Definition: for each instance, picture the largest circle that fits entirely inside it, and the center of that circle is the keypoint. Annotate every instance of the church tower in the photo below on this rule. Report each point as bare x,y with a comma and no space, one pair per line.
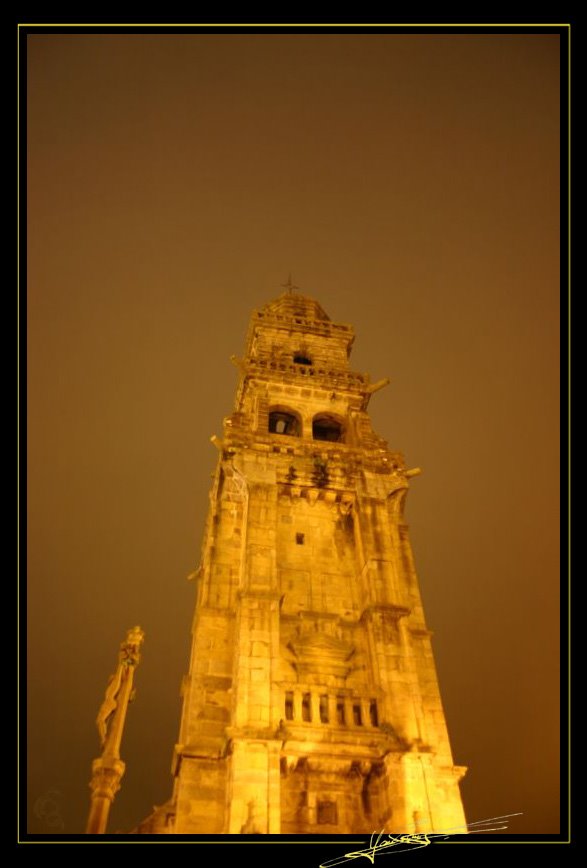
312,702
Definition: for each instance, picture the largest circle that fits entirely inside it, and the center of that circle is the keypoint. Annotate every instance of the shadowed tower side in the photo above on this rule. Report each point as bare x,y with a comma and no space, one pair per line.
312,702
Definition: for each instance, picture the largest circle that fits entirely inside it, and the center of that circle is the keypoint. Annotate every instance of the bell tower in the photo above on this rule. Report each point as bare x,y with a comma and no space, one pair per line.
312,703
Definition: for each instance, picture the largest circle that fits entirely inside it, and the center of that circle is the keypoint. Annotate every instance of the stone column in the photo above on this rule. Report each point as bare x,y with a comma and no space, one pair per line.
348,711
315,706
332,708
106,775
297,700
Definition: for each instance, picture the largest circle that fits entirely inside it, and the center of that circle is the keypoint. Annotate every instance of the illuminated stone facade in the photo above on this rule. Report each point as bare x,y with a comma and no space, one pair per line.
311,703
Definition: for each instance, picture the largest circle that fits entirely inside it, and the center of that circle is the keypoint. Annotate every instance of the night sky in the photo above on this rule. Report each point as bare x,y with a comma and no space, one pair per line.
411,185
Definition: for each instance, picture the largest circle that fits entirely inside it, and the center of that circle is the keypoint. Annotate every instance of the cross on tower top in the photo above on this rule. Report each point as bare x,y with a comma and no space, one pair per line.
289,285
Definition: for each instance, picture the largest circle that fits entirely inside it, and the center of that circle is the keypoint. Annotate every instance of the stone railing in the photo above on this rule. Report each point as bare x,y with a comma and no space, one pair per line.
327,377
320,707
323,324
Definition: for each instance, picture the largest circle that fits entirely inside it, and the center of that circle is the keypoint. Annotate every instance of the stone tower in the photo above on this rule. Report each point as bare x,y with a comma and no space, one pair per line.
312,703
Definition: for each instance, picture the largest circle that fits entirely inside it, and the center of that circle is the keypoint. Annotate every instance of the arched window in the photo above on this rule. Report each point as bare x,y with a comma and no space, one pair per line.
300,359
283,422
326,427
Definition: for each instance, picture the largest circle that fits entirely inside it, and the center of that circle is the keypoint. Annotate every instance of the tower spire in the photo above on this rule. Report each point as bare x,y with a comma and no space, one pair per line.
289,285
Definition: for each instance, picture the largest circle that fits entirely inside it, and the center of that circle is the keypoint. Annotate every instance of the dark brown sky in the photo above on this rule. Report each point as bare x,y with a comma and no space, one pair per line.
410,184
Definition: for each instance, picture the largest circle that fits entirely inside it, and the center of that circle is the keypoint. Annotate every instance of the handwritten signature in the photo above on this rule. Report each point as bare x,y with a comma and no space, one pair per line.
382,844
378,843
